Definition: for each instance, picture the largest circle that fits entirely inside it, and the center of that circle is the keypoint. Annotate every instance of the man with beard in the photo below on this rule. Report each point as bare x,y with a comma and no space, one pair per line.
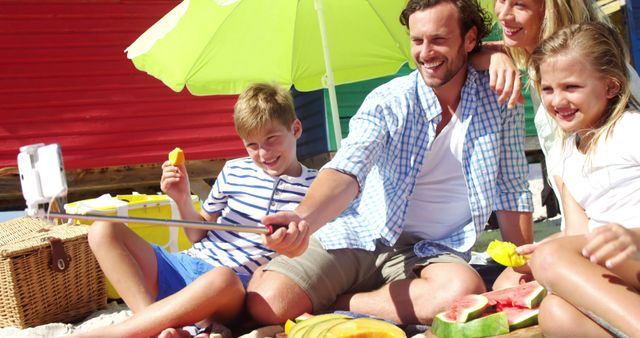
396,212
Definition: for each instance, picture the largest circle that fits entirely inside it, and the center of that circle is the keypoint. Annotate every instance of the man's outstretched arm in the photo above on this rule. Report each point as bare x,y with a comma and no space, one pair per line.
329,194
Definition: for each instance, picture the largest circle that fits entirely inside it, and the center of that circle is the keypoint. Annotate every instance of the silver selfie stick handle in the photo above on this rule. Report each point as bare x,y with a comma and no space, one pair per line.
167,222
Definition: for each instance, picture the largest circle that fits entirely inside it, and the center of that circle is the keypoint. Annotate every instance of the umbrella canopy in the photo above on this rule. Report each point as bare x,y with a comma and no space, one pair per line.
222,46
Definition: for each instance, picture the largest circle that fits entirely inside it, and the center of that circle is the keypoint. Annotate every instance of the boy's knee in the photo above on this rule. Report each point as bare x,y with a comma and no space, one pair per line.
99,232
103,235
273,298
227,277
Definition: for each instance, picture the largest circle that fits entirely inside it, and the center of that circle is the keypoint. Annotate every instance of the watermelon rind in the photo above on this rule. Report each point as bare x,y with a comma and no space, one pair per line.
491,325
536,297
521,317
467,308
528,295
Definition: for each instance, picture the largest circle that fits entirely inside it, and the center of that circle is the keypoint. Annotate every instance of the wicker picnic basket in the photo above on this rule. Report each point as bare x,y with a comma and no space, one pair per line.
47,276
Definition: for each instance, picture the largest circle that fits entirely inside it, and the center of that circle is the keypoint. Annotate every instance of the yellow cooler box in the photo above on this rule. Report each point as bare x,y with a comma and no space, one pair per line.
138,205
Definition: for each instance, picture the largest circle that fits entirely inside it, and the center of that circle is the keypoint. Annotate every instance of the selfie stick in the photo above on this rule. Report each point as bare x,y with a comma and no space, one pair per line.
43,181
167,222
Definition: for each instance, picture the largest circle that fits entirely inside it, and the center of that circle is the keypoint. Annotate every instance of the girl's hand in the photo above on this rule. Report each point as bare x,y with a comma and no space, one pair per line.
526,249
504,79
611,244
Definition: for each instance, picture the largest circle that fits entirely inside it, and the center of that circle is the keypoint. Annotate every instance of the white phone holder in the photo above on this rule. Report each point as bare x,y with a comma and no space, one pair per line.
42,176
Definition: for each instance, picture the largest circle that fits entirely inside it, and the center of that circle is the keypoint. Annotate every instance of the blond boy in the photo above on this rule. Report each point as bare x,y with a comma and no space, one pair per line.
166,289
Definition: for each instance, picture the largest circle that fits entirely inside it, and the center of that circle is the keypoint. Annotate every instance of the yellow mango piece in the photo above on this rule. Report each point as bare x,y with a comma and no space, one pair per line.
364,327
176,157
505,253
288,325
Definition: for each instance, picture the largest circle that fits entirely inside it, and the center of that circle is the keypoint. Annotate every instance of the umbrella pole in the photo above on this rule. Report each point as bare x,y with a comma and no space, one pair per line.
328,79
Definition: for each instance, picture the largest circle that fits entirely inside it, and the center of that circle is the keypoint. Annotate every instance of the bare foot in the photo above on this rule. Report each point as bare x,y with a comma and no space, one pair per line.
174,333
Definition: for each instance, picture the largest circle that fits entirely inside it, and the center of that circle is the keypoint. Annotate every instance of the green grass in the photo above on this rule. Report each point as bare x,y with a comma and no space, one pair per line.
541,230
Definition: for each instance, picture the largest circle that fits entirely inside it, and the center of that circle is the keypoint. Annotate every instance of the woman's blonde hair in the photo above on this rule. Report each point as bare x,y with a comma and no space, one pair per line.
559,14
261,104
600,45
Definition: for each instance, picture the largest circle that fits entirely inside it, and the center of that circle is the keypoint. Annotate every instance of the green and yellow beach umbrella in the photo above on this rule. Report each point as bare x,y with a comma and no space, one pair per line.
222,46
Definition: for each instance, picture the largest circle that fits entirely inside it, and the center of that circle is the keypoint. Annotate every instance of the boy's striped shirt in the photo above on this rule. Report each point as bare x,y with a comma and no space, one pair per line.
242,194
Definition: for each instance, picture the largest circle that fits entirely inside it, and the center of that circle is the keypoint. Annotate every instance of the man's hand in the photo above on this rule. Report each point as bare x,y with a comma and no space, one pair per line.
612,244
291,241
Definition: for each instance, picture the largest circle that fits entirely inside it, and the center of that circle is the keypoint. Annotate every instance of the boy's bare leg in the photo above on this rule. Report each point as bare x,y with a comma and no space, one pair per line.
272,298
218,294
413,301
127,260
611,295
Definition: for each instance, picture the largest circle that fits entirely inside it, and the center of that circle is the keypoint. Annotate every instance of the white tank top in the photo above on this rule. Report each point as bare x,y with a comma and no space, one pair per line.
607,184
439,204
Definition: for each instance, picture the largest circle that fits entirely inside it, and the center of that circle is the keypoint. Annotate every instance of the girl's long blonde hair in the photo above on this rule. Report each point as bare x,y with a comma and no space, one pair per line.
600,45
559,14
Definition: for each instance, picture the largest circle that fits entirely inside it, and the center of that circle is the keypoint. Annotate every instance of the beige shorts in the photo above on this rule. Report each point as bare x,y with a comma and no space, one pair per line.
324,275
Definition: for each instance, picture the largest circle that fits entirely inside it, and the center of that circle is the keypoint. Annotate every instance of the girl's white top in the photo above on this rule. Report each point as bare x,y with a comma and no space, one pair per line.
606,183
550,135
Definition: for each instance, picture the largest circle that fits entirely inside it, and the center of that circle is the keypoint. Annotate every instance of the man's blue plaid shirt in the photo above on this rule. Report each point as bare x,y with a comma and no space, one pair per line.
385,148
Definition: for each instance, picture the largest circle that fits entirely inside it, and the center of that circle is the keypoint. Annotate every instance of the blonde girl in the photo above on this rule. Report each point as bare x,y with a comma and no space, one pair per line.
524,24
593,270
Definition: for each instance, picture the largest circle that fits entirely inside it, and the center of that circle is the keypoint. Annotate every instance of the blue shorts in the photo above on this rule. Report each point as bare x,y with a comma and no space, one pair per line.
177,270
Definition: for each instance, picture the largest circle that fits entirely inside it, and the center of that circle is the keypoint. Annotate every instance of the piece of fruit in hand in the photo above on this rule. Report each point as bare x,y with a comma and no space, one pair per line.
505,253
176,157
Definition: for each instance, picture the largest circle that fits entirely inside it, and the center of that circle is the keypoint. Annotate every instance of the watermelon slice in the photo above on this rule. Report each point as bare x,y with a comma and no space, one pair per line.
491,325
528,295
466,308
520,317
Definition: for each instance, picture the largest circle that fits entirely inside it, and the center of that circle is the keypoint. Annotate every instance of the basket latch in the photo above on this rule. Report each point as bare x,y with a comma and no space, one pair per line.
59,258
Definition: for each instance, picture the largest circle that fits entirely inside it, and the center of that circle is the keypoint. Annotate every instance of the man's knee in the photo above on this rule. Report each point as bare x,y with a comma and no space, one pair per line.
446,284
466,284
459,279
272,298
510,278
